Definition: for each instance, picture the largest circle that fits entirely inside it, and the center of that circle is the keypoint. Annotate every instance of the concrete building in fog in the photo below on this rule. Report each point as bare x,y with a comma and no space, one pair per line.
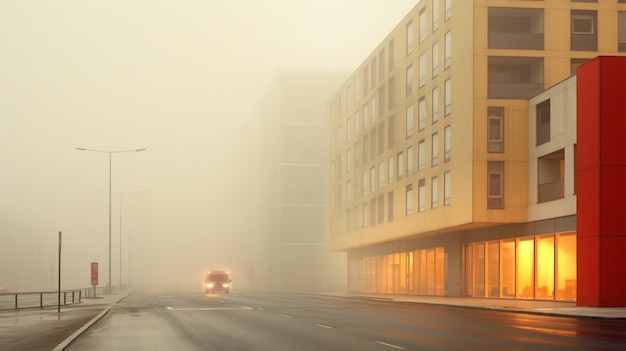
294,185
452,148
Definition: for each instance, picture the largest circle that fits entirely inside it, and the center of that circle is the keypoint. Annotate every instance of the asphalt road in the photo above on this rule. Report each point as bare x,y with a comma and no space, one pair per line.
159,320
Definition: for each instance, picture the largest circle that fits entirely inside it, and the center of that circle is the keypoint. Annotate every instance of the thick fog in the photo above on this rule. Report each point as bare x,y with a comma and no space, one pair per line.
183,79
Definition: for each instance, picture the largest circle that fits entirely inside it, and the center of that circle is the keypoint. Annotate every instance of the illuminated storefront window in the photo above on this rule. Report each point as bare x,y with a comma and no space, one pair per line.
545,260
507,267
542,267
525,268
566,267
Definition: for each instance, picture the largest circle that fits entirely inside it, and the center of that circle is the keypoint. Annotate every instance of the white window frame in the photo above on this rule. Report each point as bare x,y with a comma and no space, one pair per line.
422,70
422,25
448,97
447,50
409,199
435,149
421,196
447,143
421,155
447,188
410,121
435,58
435,105
421,114
409,38
409,160
434,192
435,15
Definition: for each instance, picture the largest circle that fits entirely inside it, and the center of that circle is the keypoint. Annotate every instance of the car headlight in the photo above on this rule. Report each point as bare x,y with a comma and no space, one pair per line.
209,285
225,285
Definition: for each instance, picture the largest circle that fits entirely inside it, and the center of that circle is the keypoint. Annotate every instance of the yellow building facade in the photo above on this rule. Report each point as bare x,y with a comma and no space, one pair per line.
428,147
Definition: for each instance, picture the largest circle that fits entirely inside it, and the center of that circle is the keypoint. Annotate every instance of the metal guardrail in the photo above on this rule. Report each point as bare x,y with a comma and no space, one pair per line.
42,299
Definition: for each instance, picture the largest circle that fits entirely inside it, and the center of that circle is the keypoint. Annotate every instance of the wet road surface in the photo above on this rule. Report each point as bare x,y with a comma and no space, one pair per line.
159,320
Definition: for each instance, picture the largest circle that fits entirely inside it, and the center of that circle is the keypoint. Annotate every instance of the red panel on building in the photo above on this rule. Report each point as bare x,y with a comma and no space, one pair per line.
601,178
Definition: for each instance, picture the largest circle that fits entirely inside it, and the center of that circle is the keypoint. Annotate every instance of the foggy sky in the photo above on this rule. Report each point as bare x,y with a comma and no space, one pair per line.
183,79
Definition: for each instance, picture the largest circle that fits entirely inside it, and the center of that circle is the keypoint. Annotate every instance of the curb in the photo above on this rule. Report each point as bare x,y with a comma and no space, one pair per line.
65,343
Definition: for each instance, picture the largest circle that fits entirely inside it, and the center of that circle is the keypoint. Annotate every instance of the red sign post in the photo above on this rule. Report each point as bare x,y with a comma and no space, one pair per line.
94,276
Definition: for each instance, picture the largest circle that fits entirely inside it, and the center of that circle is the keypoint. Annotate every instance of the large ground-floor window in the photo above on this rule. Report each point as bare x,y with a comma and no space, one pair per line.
418,272
538,267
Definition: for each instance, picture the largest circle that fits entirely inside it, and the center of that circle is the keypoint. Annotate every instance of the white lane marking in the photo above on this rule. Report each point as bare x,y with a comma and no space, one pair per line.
207,308
325,326
260,308
390,345
286,316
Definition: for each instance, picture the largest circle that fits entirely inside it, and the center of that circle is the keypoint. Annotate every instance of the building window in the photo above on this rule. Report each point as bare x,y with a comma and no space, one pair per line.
422,70
381,208
421,155
390,170
390,206
421,124
381,138
495,129
447,188
372,212
543,122
435,15
435,103
390,130
381,65
495,184
391,63
514,77
435,57
366,148
409,80
447,50
391,93
366,117
400,165
409,121
447,98
381,174
511,28
422,24
364,182
366,80
584,36
551,177
373,107
373,144
409,160
365,215
434,192
435,149
621,31
373,178
409,37
409,199
447,143
421,195
448,9
349,163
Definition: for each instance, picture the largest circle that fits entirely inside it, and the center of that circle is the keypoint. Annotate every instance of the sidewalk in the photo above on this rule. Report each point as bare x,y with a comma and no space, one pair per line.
554,308
54,330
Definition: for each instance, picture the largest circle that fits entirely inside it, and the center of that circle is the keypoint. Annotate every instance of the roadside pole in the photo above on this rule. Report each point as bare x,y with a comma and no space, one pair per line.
59,296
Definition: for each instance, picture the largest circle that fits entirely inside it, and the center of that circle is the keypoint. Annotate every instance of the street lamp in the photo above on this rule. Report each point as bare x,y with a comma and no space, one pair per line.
110,153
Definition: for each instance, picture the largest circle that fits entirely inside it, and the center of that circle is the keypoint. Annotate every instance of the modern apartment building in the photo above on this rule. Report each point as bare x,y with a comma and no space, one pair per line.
443,177
294,204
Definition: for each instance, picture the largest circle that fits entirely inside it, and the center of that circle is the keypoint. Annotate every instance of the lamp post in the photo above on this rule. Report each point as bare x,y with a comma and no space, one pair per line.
128,249
110,154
